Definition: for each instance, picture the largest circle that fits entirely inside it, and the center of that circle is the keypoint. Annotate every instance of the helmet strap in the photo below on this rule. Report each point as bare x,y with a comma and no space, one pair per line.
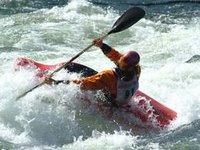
124,75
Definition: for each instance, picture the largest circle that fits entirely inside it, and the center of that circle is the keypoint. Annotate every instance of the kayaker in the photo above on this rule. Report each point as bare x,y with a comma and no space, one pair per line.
121,82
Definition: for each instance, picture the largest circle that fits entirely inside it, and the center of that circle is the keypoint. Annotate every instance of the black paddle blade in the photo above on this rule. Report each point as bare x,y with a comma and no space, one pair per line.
130,17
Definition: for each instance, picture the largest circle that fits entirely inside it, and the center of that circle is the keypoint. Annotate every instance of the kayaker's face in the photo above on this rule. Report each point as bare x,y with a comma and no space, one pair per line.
122,64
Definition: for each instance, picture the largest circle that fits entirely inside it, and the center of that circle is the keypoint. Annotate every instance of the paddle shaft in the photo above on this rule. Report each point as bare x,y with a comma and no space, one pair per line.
61,67
76,56
22,95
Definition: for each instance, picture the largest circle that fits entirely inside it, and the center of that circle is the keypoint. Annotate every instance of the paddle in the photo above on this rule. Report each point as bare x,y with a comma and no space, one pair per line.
128,18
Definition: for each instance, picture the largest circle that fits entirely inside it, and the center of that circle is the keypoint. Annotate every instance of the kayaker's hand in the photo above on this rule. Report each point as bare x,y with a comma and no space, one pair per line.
98,42
49,81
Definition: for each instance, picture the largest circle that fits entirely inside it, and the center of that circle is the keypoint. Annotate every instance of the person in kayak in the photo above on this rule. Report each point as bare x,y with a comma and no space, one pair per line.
121,82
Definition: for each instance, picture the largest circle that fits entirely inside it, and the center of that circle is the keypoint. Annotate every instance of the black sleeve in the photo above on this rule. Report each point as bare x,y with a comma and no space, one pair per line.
106,48
62,81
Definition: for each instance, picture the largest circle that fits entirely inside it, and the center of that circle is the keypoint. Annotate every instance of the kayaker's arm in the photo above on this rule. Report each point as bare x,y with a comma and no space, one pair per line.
105,80
111,53
105,48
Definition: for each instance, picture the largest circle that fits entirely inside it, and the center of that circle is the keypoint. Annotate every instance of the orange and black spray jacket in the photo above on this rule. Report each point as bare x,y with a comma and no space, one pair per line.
105,80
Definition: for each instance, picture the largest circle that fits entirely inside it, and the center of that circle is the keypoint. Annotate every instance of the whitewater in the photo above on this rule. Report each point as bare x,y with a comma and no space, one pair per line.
51,117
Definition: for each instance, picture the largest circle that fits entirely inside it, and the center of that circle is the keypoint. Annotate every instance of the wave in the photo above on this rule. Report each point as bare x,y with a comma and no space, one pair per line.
183,136
21,6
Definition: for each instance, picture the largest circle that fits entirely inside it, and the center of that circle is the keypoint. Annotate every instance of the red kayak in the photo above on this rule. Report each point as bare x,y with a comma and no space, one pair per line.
142,107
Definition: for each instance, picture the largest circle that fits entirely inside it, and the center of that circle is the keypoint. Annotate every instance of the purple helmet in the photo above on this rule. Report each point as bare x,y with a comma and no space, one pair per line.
131,58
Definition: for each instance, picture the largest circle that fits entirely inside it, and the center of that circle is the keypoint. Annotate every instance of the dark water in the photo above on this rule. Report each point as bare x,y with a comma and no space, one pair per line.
182,8
159,10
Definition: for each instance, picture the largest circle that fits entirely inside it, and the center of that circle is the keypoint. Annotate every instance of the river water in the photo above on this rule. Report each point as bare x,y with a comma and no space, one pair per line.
51,118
